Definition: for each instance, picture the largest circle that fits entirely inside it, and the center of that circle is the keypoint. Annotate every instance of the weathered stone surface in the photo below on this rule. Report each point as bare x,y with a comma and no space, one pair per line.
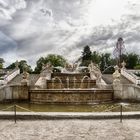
71,96
70,130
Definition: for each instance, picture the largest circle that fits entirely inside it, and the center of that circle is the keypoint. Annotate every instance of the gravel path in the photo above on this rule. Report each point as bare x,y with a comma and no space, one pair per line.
70,130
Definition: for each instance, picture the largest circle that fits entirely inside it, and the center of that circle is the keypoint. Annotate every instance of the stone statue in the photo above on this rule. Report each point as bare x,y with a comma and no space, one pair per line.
117,87
70,68
123,65
25,76
47,67
47,70
95,73
116,75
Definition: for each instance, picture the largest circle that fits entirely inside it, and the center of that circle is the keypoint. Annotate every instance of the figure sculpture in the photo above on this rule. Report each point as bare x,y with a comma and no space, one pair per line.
123,64
95,72
47,70
25,76
116,75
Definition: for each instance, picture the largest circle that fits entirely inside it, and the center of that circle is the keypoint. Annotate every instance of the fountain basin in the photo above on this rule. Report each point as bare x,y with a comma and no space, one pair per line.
70,96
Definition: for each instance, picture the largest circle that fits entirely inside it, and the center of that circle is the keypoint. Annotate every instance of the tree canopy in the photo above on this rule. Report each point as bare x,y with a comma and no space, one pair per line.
22,65
55,60
1,63
86,56
131,59
104,60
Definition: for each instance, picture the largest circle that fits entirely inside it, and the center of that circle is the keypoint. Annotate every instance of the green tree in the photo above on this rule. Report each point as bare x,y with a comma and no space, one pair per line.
96,57
132,60
55,60
107,63
21,64
39,64
1,63
86,56
102,63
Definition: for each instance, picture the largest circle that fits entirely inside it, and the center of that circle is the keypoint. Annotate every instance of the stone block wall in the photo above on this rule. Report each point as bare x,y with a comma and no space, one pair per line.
16,92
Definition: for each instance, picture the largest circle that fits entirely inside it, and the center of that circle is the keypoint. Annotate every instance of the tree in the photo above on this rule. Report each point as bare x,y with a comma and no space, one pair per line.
132,60
1,63
86,56
96,57
21,64
39,64
107,63
102,63
55,60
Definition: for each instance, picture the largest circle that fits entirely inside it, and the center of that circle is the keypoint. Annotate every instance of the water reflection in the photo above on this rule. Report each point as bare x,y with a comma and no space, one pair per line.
111,107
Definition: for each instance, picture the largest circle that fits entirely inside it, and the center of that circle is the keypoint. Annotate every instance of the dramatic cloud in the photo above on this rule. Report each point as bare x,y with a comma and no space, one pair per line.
30,29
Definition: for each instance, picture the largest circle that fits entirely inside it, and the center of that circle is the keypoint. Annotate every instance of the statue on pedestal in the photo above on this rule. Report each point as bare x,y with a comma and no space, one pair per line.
47,70
117,87
25,76
116,75
123,65
95,73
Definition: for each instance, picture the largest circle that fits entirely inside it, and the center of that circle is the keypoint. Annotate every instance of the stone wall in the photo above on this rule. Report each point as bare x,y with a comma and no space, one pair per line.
70,96
17,92
128,92
70,84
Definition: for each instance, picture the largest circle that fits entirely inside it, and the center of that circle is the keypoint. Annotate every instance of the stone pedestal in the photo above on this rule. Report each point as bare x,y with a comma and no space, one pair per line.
24,82
117,87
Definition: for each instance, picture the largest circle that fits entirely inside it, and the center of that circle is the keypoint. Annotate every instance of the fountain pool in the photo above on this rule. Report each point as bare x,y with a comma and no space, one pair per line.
104,107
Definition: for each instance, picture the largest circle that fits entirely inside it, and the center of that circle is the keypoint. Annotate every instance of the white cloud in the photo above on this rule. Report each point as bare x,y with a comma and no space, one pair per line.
40,27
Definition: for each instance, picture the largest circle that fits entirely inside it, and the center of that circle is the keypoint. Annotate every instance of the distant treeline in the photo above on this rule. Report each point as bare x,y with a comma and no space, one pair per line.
104,60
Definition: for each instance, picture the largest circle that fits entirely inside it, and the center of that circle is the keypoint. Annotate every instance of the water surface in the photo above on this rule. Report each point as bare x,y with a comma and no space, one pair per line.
110,107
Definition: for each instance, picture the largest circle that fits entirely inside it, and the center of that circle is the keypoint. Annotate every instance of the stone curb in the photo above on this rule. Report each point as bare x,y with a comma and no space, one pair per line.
68,115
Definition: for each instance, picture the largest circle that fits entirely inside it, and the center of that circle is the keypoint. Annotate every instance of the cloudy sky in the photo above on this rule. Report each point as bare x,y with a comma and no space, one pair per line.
30,29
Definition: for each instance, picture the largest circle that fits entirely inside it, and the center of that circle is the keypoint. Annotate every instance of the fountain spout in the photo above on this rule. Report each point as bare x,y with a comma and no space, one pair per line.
74,82
82,81
68,82
60,82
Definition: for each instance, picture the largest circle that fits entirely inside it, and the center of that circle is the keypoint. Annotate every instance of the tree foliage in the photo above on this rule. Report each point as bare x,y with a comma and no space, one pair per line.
22,65
1,63
86,56
96,57
131,59
55,60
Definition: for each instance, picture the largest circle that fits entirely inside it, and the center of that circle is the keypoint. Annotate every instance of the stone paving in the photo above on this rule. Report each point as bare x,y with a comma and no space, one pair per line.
70,130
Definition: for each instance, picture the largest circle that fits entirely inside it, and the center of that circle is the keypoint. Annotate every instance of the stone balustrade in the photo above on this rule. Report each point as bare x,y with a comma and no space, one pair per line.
7,78
129,74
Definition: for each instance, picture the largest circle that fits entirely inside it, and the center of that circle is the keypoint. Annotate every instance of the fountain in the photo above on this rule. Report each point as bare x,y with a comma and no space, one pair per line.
54,84
85,77
74,82
71,85
68,82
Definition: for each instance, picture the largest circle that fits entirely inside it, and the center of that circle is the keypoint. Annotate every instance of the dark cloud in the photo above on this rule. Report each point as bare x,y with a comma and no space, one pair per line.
6,44
40,27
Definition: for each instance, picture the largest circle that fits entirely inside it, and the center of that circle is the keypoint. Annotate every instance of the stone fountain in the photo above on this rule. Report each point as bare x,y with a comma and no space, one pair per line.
70,85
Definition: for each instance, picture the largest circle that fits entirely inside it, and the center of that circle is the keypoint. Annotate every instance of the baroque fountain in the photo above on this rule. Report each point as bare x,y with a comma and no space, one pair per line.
72,84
